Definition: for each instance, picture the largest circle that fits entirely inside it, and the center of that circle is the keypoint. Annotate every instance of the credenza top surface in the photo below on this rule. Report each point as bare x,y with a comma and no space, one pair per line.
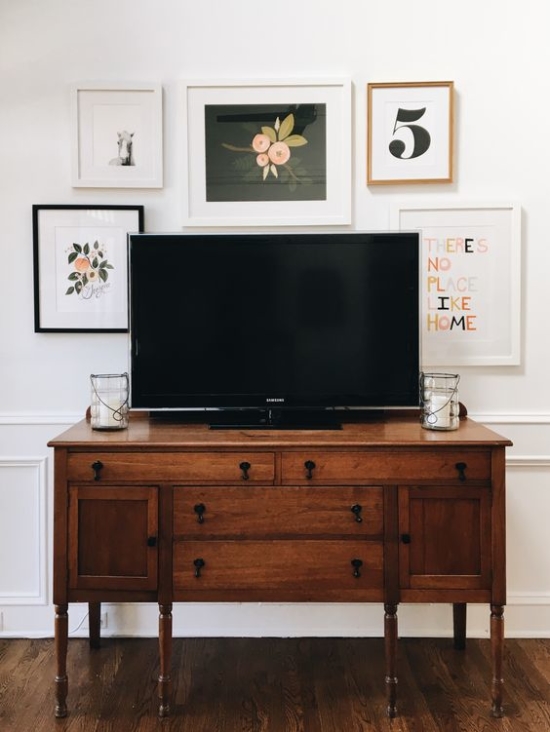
401,430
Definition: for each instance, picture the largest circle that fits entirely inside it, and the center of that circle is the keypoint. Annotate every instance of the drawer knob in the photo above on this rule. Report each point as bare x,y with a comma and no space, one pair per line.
96,467
356,564
199,564
461,467
245,467
199,509
152,541
356,511
309,465
405,538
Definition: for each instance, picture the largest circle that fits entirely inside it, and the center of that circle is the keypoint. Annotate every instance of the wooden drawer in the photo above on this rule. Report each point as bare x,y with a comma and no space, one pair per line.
383,465
180,467
312,570
250,511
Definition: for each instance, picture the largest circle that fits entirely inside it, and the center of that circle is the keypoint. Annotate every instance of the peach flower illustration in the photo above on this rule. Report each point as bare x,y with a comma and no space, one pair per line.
272,147
90,266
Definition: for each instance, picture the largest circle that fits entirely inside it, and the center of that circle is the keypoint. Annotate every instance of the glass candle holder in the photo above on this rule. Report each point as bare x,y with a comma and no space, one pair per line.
439,401
109,408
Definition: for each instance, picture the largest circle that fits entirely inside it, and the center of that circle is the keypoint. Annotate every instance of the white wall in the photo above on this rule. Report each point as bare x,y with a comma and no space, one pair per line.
497,54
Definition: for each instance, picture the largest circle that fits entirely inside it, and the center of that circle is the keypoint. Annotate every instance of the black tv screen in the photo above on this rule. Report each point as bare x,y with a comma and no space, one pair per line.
274,322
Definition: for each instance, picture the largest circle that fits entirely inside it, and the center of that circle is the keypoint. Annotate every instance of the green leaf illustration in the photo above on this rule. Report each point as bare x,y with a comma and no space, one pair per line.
72,256
78,288
96,245
86,248
296,140
70,291
77,248
270,132
103,274
74,276
287,125
95,262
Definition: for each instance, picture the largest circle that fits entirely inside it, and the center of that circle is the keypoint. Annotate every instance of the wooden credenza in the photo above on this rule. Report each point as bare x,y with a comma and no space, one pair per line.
382,512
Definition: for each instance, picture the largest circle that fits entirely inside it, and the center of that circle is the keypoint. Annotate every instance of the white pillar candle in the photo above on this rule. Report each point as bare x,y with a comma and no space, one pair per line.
440,408
108,414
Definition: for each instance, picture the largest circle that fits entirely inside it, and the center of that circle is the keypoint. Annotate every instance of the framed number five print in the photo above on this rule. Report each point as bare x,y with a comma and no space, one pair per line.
410,132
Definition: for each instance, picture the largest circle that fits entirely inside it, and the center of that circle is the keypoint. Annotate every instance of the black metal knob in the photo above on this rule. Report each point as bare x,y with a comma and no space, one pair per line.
356,511
199,509
96,467
199,564
309,465
405,538
461,467
356,564
152,541
245,467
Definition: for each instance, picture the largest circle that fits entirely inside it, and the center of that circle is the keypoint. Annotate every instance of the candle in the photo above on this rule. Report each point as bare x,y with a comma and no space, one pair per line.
440,411
109,416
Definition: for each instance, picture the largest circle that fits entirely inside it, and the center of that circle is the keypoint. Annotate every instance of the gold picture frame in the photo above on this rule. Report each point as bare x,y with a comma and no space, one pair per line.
410,130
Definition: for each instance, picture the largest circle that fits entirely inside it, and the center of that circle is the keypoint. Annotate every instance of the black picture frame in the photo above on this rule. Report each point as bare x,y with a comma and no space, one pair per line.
80,266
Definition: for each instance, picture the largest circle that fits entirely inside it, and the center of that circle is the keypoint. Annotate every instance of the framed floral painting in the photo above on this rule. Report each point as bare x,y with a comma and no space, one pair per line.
267,153
81,267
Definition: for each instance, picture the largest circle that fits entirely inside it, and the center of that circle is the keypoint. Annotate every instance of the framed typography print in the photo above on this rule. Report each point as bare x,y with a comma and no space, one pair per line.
81,266
267,153
410,132
117,136
470,282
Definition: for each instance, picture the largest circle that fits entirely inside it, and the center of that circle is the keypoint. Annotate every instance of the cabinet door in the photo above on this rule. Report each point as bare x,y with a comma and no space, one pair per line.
445,538
113,537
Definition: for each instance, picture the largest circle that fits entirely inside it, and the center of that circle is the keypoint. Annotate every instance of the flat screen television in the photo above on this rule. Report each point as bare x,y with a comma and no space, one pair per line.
274,330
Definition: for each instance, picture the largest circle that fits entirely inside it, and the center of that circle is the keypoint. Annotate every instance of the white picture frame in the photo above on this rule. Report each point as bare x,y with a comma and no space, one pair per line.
410,129
81,266
470,281
117,135
225,182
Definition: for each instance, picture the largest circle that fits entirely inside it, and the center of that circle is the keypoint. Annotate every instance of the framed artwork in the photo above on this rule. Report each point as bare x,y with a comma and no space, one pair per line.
410,132
81,267
117,136
269,153
470,282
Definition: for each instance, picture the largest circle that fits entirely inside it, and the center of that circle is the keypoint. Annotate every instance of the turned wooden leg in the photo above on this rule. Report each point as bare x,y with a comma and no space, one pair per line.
459,625
165,650
390,642
94,623
61,642
497,649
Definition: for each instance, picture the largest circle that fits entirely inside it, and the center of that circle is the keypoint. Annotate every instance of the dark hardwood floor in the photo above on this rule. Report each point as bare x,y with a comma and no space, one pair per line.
274,685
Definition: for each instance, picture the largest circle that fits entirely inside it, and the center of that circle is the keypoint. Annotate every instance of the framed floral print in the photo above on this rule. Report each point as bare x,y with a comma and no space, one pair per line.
81,267
275,153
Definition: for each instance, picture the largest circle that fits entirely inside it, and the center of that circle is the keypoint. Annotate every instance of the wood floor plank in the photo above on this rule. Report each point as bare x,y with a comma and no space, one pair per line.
275,685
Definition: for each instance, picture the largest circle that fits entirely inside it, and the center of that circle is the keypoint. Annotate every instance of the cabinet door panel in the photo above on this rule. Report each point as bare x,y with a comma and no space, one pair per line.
445,538
113,535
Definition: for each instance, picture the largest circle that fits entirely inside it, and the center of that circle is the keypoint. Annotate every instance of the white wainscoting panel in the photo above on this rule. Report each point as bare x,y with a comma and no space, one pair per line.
23,535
